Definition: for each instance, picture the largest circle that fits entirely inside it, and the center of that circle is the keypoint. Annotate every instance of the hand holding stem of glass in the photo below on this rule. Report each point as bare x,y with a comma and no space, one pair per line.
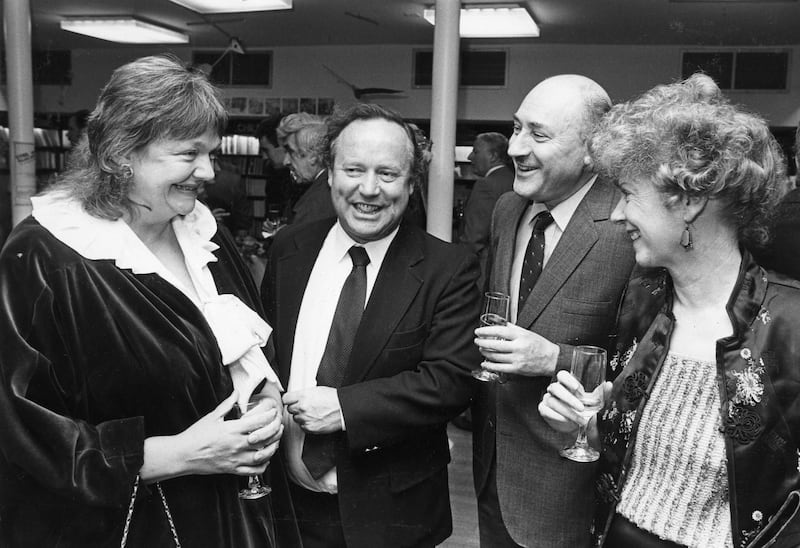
589,368
495,312
255,488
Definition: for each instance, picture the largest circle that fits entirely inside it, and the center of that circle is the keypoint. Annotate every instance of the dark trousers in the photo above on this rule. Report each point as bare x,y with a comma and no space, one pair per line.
320,522
493,532
317,518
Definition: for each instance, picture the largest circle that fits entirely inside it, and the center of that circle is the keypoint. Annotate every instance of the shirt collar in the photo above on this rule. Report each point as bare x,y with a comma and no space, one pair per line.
493,169
376,250
563,212
99,239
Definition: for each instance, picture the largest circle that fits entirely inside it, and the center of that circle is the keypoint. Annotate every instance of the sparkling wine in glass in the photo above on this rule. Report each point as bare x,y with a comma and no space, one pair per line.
589,367
255,487
495,312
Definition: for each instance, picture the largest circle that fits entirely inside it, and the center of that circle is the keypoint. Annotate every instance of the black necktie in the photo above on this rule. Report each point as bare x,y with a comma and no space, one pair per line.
319,449
534,257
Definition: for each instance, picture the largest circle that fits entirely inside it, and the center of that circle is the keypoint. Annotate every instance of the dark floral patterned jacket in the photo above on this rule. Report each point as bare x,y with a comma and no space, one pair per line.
758,372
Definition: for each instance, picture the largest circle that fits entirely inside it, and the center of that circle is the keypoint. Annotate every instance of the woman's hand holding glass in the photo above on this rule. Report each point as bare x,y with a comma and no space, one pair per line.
213,445
569,407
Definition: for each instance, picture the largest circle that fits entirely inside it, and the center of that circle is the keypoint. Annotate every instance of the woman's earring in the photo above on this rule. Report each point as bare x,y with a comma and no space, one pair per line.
126,172
686,238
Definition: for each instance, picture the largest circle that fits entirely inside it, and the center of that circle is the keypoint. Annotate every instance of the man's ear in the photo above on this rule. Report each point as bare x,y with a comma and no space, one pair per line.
330,177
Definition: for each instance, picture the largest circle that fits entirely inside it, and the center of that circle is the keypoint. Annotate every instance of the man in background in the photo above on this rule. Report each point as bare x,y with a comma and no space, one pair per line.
372,323
555,250
490,162
302,136
783,252
280,191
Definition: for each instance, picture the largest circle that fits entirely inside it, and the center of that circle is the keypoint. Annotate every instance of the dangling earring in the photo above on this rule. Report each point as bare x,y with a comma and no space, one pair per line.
686,238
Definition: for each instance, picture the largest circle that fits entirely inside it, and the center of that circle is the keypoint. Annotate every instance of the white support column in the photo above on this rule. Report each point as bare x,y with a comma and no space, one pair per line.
444,105
19,75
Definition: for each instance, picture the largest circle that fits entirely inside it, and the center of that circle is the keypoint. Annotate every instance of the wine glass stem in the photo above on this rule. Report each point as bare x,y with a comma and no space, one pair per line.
581,441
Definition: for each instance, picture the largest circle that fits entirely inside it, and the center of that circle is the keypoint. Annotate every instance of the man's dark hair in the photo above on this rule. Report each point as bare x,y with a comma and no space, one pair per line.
267,128
341,118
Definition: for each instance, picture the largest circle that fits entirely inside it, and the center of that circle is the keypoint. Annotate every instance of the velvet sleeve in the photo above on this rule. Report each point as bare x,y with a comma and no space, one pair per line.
45,434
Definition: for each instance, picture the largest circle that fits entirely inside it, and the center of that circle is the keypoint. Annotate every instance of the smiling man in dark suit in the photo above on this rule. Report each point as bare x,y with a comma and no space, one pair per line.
373,324
564,263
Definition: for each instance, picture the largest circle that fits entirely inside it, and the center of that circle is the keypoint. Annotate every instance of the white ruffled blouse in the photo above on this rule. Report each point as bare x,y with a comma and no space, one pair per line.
239,331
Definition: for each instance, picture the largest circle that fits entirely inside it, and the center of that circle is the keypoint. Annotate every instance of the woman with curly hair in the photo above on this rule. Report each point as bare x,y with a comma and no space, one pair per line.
700,433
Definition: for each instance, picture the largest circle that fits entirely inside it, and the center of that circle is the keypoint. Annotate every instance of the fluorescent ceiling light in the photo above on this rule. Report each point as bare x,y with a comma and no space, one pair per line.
125,30
234,6
492,22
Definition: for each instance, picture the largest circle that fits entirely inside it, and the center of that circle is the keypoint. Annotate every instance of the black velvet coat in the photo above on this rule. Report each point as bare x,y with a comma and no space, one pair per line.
95,359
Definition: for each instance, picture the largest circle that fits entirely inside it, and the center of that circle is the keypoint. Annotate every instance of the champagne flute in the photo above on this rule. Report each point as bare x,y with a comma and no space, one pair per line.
589,368
495,312
255,488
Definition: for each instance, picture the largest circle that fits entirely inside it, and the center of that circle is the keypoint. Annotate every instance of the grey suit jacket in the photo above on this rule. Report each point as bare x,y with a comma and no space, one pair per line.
546,500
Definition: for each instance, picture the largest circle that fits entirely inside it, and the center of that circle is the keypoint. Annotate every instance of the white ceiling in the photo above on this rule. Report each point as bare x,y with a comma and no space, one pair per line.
341,22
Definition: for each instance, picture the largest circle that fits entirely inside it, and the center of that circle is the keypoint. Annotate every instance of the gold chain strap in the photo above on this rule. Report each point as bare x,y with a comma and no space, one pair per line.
128,518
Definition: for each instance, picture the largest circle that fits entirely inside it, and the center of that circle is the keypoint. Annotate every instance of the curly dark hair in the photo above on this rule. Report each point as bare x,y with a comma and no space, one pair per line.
343,117
144,101
689,140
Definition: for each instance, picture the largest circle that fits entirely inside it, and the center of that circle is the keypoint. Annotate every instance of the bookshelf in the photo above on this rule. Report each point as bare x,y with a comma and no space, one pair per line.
49,135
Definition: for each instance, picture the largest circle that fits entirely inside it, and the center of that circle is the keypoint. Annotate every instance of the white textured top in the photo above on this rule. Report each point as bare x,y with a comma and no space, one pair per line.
239,331
677,486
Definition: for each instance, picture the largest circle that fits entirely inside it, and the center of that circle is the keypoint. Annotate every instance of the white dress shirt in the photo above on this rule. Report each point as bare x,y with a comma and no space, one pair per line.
562,214
320,298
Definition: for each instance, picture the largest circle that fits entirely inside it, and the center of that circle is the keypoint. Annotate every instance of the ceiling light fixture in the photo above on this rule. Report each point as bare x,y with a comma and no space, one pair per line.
496,21
124,30
234,6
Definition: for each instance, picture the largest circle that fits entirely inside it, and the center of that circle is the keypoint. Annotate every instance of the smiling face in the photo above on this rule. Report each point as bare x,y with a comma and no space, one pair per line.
370,178
549,152
168,174
653,224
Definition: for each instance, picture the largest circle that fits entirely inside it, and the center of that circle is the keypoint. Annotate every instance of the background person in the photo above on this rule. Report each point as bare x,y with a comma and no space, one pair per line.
527,494
782,253
130,329
490,162
280,191
386,375
703,416
302,136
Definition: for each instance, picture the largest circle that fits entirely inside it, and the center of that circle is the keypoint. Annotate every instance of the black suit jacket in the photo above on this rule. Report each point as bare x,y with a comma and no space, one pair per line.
407,377
478,212
783,252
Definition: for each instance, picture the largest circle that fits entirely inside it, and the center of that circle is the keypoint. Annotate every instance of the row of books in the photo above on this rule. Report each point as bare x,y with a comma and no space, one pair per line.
42,137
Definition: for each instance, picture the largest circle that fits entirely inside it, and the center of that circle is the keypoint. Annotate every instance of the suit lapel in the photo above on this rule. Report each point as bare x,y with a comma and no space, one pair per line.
293,271
576,241
396,286
507,221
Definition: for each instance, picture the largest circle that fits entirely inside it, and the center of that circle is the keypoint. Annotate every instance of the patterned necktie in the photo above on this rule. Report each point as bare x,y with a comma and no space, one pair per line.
319,449
534,257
